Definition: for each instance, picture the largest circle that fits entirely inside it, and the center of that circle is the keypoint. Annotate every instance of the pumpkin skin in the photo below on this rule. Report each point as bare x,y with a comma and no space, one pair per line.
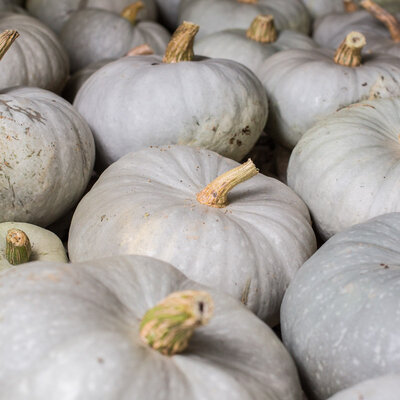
346,168
37,58
214,16
84,330
47,153
92,35
304,86
213,103
339,316
255,244
385,387
46,246
55,13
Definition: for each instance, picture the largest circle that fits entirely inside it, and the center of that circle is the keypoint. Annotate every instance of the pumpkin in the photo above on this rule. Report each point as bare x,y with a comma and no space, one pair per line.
31,241
37,58
149,202
91,35
217,104
252,46
318,8
340,315
346,168
219,15
114,327
305,85
55,13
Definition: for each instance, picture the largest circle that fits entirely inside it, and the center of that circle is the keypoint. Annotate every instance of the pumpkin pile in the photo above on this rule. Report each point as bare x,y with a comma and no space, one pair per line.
200,199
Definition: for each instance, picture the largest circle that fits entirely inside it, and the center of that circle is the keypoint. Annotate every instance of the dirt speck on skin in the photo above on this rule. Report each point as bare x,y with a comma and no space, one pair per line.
246,131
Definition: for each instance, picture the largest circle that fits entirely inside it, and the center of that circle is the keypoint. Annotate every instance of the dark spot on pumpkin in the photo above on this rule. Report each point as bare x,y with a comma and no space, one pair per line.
100,360
231,140
364,84
246,130
382,77
239,142
201,307
155,63
385,266
214,129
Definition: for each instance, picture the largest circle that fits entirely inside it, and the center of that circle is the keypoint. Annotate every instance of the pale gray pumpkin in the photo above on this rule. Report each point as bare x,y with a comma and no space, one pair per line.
91,35
73,332
36,59
218,15
304,86
141,101
386,387
46,246
46,153
340,316
247,47
347,167
145,203
55,13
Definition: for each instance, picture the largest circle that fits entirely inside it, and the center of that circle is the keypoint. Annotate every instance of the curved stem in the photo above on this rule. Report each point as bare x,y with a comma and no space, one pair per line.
180,47
389,20
350,6
168,326
349,52
142,50
6,40
130,12
18,247
215,194
262,29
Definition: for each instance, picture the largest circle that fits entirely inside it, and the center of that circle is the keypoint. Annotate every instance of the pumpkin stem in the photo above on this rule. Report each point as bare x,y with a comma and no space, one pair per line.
248,1
130,12
168,326
215,194
389,20
142,50
262,29
350,6
180,47
18,247
6,40
349,52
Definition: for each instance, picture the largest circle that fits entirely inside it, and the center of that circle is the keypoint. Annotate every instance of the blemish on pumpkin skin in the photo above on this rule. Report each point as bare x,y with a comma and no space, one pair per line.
245,295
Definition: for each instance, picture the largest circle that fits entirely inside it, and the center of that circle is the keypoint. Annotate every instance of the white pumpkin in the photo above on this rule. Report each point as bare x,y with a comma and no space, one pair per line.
74,331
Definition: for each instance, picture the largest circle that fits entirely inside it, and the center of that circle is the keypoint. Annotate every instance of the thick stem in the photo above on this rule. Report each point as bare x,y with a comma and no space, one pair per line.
142,50
262,29
130,12
389,20
180,47
349,52
168,326
215,194
350,6
6,40
18,247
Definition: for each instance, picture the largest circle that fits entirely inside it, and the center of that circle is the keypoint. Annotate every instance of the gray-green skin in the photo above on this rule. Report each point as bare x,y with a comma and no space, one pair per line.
168,11
72,332
304,86
139,101
46,153
55,13
330,30
347,167
234,45
219,15
92,35
14,6
340,316
46,246
386,387
145,203
36,58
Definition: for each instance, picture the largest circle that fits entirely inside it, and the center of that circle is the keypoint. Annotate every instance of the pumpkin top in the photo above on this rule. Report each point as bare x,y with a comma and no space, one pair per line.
389,20
18,247
349,52
130,12
168,326
262,29
6,40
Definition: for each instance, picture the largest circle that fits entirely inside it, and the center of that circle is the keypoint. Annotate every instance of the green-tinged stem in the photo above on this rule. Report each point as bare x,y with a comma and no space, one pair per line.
142,50
349,52
180,47
389,20
6,40
215,194
130,12
18,247
168,326
350,6
262,29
